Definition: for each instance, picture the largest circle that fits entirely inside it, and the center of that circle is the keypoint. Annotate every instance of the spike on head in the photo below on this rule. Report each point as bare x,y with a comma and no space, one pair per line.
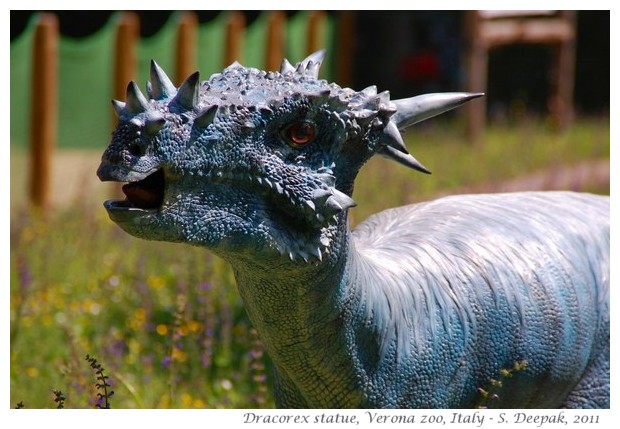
402,158
311,64
119,106
370,90
136,102
234,65
412,110
395,149
187,96
316,57
286,67
161,85
206,117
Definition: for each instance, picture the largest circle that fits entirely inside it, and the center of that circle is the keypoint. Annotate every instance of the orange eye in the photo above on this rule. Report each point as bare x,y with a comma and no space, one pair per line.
300,133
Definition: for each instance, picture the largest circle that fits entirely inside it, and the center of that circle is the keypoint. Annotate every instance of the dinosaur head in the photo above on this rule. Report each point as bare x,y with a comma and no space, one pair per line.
250,162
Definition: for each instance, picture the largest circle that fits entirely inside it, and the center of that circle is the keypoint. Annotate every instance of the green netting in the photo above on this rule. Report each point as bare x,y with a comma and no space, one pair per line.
84,88
159,47
20,64
86,71
297,36
211,46
85,85
254,43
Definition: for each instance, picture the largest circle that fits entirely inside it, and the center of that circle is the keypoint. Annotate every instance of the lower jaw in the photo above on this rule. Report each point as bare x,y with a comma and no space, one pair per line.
123,211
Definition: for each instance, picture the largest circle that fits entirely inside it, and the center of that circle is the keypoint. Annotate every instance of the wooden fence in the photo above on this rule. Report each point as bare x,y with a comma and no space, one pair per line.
44,101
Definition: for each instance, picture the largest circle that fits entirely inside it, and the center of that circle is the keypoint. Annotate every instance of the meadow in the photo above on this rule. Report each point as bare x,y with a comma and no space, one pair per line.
164,321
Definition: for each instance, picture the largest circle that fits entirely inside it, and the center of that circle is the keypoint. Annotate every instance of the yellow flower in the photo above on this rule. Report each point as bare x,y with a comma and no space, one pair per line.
194,326
140,314
164,402
199,403
186,400
161,329
183,330
179,355
137,322
155,282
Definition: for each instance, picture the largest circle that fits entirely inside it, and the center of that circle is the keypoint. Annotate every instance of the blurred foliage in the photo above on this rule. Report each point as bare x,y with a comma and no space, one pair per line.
509,150
164,320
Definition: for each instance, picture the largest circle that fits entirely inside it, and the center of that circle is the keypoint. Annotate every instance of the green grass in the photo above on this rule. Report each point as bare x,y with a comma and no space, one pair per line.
165,320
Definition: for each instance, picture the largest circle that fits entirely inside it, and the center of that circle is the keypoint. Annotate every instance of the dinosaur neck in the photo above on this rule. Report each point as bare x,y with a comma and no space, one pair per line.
299,315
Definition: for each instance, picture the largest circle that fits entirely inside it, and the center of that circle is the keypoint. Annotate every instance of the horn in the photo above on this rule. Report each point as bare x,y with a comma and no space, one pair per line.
416,109
136,103
316,57
393,138
206,117
311,64
187,96
235,64
402,158
286,67
396,150
118,107
161,86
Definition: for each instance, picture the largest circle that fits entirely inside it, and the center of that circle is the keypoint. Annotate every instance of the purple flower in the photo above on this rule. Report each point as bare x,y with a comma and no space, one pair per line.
165,362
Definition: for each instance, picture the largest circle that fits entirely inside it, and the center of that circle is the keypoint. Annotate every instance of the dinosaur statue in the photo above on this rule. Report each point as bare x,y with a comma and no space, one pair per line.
419,306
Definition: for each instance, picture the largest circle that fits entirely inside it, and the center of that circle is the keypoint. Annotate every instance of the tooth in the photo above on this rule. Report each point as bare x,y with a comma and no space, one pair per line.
280,248
303,254
315,251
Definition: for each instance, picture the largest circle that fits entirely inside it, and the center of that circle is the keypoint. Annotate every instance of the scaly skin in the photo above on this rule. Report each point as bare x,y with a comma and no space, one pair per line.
419,306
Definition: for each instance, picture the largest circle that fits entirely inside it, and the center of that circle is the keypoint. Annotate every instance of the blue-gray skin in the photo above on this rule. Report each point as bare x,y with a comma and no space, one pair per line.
420,306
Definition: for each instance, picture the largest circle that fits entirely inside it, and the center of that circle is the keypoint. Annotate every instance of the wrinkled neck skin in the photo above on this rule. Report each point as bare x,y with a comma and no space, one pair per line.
299,310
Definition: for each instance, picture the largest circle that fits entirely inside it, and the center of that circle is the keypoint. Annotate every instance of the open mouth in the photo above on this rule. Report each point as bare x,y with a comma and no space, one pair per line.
147,193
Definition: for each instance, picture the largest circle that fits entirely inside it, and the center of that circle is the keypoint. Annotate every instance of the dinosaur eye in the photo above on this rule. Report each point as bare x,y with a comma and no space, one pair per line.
299,134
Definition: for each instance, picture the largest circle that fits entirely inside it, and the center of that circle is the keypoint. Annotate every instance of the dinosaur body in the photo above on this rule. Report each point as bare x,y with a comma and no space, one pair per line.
428,327
420,306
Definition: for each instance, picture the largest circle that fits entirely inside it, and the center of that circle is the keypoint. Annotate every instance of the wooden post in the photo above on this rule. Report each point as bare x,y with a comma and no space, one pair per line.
477,72
186,46
44,109
234,37
315,40
127,34
563,76
344,56
125,65
275,40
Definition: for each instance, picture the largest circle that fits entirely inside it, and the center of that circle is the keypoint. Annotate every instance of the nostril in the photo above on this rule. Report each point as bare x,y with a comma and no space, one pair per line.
136,150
